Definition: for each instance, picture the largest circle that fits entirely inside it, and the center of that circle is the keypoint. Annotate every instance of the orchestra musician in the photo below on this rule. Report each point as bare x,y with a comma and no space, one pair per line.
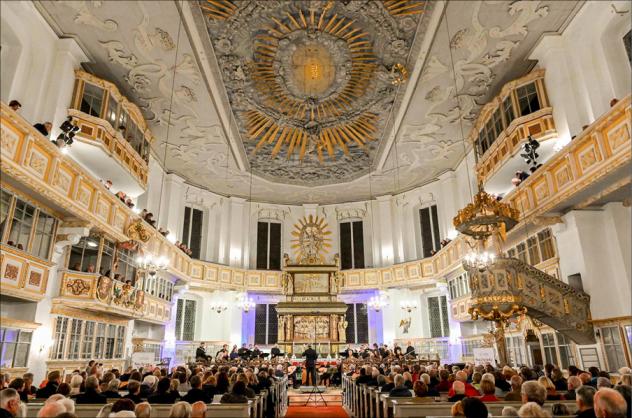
311,356
364,351
256,352
384,351
397,350
222,354
275,351
410,350
233,353
244,352
200,354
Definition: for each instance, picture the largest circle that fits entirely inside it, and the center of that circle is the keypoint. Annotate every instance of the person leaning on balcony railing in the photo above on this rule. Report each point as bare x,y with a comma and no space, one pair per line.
15,105
44,128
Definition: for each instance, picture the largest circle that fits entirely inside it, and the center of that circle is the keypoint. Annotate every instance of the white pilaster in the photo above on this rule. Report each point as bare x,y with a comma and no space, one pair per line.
385,217
238,230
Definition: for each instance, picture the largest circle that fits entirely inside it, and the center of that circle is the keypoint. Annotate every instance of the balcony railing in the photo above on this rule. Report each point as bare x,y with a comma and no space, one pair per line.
104,294
23,275
585,171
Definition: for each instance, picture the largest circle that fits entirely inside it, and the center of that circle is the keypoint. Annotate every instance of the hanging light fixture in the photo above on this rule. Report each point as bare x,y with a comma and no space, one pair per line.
379,302
409,305
219,306
480,261
152,264
245,303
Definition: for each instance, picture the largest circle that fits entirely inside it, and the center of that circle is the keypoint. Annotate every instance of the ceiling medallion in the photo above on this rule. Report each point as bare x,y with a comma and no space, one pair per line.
312,83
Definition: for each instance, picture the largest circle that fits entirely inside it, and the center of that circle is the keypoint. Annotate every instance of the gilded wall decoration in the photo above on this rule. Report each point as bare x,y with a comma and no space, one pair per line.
104,288
311,240
11,272
78,287
137,231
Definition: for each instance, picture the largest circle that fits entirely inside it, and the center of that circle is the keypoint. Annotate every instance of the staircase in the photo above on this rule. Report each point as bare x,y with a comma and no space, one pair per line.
510,282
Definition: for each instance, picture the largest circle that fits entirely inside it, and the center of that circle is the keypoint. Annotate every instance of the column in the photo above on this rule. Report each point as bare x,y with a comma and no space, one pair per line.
43,336
171,214
385,225
61,82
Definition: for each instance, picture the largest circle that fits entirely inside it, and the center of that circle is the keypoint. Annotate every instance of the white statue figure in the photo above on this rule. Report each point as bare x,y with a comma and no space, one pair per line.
281,335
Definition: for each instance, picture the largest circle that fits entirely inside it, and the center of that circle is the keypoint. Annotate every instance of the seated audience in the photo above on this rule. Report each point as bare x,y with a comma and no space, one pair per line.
488,389
458,388
626,392
558,379
196,393
470,390
44,128
609,403
509,411
9,403
112,389
584,400
180,410
572,384
514,394
400,389
474,408
421,391
15,105
52,383
560,410
532,391
198,410
133,388
163,394
236,395
91,393
532,410
551,393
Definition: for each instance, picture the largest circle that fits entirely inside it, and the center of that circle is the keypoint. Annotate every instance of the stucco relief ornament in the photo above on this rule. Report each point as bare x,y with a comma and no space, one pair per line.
137,231
311,240
104,288
78,287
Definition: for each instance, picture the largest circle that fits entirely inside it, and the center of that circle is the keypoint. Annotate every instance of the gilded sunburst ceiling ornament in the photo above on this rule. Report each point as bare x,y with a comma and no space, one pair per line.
311,240
311,83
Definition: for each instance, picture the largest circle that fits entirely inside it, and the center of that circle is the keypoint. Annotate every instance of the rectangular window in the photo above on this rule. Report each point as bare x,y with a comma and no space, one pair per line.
5,206
88,337
21,224
521,250
15,345
268,246
429,222
84,254
99,341
548,342
545,240
75,339
22,348
107,258
497,122
438,316
61,329
185,319
357,331
120,341
43,238
109,341
351,245
566,353
482,141
92,100
534,253
511,253
508,111
111,114
266,324
192,230
528,99
126,260
613,347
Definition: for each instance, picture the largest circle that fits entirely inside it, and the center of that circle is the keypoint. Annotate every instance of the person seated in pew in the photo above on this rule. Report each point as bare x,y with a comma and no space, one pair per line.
133,387
469,389
198,410
400,390
389,385
91,394
444,384
196,393
425,377
516,384
364,377
421,392
458,388
209,384
236,395
475,408
163,394
408,380
488,389
112,389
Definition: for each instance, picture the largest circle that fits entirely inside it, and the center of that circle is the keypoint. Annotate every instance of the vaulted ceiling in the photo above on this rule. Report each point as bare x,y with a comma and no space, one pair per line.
308,101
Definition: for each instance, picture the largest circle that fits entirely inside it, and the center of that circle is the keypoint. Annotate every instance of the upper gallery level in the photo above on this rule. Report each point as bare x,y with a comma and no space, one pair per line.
113,140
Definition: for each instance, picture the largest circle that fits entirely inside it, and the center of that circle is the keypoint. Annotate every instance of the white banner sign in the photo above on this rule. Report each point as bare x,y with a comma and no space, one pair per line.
141,359
483,356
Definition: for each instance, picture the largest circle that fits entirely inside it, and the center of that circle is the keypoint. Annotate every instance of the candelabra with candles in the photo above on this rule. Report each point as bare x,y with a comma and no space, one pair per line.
377,303
479,260
245,303
409,306
152,264
219,306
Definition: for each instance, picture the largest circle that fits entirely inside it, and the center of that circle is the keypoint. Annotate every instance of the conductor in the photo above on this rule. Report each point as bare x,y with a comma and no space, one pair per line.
310,364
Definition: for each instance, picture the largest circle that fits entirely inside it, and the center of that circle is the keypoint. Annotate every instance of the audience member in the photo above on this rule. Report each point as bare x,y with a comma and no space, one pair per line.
44,128
236,395
143,410
52,383
626,392
180,410
9,403
51,410
198,410
515,393
585,401
488,389
609,403
533,392
474,408
458,388
573,383
509,411
91,394
15,105
532,410
196,393
399,390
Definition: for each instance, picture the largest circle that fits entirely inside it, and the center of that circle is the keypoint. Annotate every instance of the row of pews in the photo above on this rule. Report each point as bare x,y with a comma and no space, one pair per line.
362,401
256,407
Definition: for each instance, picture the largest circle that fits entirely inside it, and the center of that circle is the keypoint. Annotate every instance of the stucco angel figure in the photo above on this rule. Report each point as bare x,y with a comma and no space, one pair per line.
286,281
405,325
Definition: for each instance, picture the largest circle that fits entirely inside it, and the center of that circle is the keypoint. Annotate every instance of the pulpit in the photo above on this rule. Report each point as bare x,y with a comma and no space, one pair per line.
311,312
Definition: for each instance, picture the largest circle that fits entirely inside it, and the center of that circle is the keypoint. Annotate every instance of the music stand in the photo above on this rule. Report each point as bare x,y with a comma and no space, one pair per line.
315,392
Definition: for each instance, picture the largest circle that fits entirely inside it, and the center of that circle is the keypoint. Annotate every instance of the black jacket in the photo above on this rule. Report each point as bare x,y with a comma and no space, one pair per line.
310,357
589,413
456,397
5,414
195,395
163,398
232,398
200,353
275,352
110,394
387,387
133,398
47,391
90,396
401,392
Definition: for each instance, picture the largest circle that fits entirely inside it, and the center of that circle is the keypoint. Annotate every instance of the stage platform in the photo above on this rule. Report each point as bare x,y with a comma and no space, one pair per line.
331,395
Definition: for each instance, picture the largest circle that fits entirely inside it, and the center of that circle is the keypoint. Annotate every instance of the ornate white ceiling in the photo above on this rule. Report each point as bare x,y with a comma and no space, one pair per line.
419,125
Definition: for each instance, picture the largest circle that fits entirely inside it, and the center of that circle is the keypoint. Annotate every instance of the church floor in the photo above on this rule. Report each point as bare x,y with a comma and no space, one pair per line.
335,411
316,408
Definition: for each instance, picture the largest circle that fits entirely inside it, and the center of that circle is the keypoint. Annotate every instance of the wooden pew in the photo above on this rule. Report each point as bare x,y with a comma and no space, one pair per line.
159,411
411,408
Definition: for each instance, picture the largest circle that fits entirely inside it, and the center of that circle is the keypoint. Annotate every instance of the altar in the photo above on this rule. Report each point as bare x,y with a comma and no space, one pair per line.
311,312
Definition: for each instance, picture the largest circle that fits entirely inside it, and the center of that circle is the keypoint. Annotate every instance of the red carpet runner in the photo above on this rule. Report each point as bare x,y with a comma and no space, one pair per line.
313,412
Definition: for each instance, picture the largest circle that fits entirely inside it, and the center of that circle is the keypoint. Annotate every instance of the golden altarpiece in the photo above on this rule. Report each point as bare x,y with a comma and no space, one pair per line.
311,312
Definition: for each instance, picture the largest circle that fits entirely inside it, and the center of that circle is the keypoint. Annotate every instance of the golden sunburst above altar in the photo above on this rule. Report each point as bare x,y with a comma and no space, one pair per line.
311,240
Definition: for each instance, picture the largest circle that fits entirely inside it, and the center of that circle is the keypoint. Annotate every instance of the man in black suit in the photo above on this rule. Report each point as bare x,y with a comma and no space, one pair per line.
410,350
54,378
196,393
200,353
243,352
400,390
275,351
310,364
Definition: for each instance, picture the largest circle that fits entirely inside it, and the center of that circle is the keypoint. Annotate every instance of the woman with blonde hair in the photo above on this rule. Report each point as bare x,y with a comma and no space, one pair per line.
75,385
532,410
457,409
549,386
180,410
